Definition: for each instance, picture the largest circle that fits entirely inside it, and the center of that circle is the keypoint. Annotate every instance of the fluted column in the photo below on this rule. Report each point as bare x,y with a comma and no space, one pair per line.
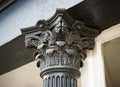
59,81
60,49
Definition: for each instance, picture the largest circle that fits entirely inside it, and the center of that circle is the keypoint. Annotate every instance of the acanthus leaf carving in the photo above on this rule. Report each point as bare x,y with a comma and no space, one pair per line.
59,43
61,47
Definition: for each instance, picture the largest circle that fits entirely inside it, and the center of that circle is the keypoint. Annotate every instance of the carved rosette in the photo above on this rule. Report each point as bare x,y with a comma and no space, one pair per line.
60,48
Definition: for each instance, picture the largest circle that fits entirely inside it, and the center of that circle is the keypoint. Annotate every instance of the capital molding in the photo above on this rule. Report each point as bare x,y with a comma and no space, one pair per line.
60,46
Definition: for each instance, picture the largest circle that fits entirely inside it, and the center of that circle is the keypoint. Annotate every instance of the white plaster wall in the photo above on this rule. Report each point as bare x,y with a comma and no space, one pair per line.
93,73
25,13
25,76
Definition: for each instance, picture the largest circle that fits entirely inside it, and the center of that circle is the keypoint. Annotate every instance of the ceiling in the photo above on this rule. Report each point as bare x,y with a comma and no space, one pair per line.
97,14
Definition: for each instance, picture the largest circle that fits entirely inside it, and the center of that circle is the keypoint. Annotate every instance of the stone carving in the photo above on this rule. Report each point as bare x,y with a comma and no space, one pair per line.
60,47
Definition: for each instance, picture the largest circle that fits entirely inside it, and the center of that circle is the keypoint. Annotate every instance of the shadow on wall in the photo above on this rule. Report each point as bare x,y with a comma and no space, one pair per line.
111,53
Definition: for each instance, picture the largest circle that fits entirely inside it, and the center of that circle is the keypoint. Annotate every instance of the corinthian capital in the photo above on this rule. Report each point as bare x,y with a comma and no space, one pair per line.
59,44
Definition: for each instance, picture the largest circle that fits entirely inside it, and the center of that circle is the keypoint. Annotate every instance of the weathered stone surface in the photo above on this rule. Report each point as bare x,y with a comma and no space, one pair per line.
60,48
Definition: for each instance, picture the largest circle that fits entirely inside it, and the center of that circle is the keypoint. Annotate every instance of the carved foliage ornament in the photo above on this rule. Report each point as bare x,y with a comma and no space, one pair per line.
59,42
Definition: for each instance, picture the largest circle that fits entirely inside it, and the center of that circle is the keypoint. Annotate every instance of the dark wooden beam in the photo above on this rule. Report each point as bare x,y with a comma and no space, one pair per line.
99,14
14,54
5,3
